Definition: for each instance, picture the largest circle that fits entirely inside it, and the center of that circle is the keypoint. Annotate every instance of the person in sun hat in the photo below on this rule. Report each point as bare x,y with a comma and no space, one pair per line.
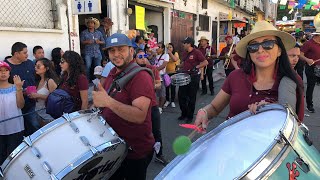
256,83
207,52
310,54
128,111
91,39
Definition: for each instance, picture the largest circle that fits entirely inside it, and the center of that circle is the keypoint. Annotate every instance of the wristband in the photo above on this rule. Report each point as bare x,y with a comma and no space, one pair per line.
205,111
20,89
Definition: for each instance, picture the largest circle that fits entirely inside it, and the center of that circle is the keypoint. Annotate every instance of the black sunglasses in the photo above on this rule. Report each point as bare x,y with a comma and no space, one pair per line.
266,45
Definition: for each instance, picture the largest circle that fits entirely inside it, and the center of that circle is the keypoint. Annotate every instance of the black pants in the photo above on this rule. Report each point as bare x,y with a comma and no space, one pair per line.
8,143
299,67
208,74
228,71
133,169
311,82
156,126
187,97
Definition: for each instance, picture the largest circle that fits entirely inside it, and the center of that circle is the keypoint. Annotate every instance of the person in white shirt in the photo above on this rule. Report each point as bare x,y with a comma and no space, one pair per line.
161,62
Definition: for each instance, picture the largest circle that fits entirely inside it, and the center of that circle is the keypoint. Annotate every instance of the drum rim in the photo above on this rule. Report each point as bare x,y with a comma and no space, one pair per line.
44,130
88,155
251,169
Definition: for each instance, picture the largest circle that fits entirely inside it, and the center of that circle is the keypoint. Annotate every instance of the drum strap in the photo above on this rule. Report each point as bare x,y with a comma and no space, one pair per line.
125,76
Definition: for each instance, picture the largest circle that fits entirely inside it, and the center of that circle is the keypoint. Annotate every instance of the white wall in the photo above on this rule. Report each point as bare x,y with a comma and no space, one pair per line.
47,38
155,18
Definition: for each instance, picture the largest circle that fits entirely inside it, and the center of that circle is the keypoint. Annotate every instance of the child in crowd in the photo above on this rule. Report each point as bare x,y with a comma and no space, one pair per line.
11,103
97,73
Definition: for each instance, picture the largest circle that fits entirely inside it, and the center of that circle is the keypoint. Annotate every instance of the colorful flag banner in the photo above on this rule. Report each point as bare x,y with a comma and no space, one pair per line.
232,4
307,6
140,18
291,4
314,2
282,7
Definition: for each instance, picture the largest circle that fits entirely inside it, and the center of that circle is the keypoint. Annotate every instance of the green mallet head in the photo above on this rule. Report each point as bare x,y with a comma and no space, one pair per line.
181,145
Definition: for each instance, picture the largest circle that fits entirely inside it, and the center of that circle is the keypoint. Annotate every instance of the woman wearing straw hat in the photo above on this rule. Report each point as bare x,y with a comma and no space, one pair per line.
91,38
265,63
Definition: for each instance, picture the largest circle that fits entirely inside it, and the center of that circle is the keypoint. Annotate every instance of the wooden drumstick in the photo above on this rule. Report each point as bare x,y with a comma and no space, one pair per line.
192,134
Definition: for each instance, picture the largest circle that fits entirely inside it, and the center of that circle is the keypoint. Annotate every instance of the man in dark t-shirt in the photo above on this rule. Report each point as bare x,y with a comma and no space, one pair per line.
22,66
191,63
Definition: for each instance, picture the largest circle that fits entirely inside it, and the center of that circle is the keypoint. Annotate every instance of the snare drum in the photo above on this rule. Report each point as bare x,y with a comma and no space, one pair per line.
80,145
180,79
268,145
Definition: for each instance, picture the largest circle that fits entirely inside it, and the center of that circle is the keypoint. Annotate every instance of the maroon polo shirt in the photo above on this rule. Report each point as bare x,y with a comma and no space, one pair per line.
138,136
237,58
192,59
204,52
156,78
81,84
311,50
245,94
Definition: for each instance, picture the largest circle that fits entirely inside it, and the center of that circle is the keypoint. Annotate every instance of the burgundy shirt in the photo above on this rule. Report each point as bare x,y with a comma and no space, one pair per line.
138,136
82,84
237,58
156,78
311,50
204,53
192,59
243,93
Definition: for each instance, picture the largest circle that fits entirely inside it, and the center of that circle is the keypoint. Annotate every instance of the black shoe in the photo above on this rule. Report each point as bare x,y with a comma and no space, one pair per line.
311,109
203,93
161,159
212,93
181,118
189,120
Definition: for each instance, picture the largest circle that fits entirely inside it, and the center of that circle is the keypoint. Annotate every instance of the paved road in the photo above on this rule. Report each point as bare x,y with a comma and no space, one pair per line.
171,130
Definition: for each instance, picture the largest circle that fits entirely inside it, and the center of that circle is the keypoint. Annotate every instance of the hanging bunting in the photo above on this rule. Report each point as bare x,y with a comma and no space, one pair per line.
291,4
301,3
307,7
282,7
232,4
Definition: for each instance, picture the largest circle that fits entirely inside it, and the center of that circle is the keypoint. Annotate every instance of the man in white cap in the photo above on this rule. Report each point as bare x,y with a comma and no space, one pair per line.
91,39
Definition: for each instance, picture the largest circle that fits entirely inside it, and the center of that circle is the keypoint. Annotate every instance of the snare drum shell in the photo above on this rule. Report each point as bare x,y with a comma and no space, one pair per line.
308,153
62,149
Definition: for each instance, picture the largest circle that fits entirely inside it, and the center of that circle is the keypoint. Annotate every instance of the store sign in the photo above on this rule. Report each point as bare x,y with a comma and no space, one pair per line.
86,7
169,1
140,18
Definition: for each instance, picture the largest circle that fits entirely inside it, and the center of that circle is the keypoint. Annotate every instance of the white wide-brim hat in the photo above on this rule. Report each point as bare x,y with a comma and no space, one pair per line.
263,28
94,20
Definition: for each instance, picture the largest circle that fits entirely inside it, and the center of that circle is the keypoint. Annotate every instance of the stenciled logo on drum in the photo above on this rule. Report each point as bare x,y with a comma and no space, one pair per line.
89,171
293,173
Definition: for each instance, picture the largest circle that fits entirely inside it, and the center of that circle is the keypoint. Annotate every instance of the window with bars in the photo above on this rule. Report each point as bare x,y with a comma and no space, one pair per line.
204,4
27,13
204,22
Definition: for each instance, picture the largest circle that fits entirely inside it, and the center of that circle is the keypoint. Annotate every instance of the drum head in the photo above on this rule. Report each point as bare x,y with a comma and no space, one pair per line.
227,154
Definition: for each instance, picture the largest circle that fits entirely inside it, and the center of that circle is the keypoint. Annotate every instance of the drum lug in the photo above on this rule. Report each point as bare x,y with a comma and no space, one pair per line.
299,160
48,168
36,152
302,165
93,115
72,125
305,131
86,142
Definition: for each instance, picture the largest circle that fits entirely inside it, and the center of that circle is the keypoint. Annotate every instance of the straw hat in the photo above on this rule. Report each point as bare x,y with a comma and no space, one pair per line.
203,38
94,20
263,28
316,23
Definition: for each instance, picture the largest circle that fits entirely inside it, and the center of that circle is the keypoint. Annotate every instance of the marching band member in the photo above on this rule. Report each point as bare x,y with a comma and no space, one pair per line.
256,83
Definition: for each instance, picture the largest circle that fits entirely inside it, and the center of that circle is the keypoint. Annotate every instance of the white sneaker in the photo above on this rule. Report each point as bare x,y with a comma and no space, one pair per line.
173,104
166,104
160,110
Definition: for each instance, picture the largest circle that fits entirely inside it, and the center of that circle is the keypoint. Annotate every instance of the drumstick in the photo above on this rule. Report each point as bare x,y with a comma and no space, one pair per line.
192,134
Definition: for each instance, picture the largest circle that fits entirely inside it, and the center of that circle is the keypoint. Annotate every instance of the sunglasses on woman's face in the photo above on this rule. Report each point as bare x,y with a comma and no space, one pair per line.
140,56
62,60
266,45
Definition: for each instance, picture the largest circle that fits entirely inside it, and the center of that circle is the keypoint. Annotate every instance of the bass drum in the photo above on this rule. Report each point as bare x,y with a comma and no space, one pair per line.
268,145
80,145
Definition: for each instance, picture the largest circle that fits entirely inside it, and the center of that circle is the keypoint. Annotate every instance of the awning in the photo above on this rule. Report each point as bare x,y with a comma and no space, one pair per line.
235,20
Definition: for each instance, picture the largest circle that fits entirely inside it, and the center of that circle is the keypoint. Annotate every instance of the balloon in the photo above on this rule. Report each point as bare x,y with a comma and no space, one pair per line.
181,145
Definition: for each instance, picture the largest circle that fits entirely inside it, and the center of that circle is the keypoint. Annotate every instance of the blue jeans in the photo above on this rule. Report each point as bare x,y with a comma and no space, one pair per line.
31,122
89,59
